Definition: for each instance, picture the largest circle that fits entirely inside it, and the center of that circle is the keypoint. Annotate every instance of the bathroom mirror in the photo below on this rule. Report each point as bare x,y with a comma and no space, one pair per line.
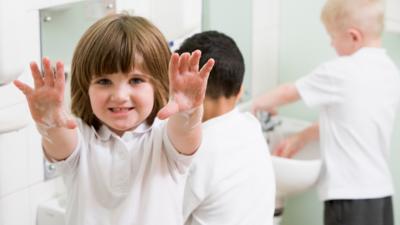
62,26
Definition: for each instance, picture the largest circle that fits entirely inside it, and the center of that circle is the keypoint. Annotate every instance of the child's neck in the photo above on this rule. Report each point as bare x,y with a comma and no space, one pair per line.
373,43
217,107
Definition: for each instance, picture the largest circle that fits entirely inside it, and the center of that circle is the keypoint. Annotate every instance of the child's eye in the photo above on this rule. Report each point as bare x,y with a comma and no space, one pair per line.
103,81
136,81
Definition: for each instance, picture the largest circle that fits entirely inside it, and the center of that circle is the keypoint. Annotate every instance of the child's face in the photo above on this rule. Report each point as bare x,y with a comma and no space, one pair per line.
122,101
342,42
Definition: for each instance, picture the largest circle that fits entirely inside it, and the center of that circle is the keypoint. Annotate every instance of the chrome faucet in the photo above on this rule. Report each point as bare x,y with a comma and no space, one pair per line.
268,123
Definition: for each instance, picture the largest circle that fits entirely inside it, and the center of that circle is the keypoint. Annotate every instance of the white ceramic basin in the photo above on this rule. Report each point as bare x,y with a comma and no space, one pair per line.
299,173
52,212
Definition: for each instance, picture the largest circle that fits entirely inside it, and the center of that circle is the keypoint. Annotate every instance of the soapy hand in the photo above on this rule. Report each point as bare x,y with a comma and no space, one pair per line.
187,83
46,99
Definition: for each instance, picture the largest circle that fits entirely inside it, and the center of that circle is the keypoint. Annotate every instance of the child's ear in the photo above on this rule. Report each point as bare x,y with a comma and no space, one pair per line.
241,92
355,35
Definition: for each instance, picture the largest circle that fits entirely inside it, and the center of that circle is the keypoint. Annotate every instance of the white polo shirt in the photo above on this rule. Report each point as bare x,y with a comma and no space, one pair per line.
358,97
136,179
231,181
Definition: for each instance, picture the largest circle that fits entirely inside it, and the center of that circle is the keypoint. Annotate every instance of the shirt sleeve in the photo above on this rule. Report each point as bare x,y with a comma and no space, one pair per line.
179,161
323,86
70,164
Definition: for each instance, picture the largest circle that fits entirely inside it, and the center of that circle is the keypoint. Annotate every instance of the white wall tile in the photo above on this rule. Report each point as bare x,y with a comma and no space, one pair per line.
35,156
14,209
13,161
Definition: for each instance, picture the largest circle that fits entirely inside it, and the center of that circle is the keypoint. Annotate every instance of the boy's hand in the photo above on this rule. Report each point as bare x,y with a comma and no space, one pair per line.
187,83
283,94
47,97
262,103
289,147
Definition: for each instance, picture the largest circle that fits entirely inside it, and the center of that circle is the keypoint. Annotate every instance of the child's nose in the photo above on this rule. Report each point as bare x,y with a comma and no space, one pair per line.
120,93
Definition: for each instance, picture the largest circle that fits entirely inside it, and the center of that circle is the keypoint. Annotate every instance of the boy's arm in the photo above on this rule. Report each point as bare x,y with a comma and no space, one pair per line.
283,94
185,107
293,144
45,100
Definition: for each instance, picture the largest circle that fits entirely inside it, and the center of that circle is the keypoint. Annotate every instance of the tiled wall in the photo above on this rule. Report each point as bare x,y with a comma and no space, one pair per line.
22,185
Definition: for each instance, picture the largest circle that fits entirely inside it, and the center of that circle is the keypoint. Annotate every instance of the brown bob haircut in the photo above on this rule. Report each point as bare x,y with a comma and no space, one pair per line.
118,43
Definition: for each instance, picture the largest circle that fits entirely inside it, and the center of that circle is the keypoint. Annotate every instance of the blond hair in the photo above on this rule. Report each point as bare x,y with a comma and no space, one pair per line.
113,44
364,15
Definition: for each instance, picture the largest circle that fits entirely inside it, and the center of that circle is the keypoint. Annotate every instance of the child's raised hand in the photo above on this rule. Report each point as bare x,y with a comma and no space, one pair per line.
187,83
46,99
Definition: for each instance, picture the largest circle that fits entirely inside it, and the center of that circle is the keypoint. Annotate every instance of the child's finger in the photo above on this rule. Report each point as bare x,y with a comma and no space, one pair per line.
65,120
280,149
290,154
206,69
173,68
48,72
37,76
60,77
23,87
194,61
277,152
184,62
285,152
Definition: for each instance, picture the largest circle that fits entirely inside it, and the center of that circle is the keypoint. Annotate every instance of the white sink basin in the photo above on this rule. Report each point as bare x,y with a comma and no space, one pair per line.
299,173
52,212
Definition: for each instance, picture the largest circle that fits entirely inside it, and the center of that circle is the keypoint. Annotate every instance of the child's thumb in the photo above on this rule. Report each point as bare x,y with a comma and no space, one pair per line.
168,110
71,124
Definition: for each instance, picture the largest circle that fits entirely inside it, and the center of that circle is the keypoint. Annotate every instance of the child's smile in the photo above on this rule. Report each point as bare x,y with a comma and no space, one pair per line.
120,111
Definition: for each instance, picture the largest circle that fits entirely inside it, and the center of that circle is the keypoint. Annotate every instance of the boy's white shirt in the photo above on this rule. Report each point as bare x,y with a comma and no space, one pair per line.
357,97
138,178
231,180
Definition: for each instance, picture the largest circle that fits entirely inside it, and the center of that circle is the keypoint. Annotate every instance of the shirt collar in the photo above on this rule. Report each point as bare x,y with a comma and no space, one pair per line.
104,133
222,117
371,49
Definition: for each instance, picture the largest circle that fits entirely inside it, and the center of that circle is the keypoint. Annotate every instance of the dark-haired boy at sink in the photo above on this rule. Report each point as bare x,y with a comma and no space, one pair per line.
231,180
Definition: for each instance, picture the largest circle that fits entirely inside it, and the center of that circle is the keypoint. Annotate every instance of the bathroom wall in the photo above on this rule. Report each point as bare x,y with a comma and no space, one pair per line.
302,34
234,19
22,185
